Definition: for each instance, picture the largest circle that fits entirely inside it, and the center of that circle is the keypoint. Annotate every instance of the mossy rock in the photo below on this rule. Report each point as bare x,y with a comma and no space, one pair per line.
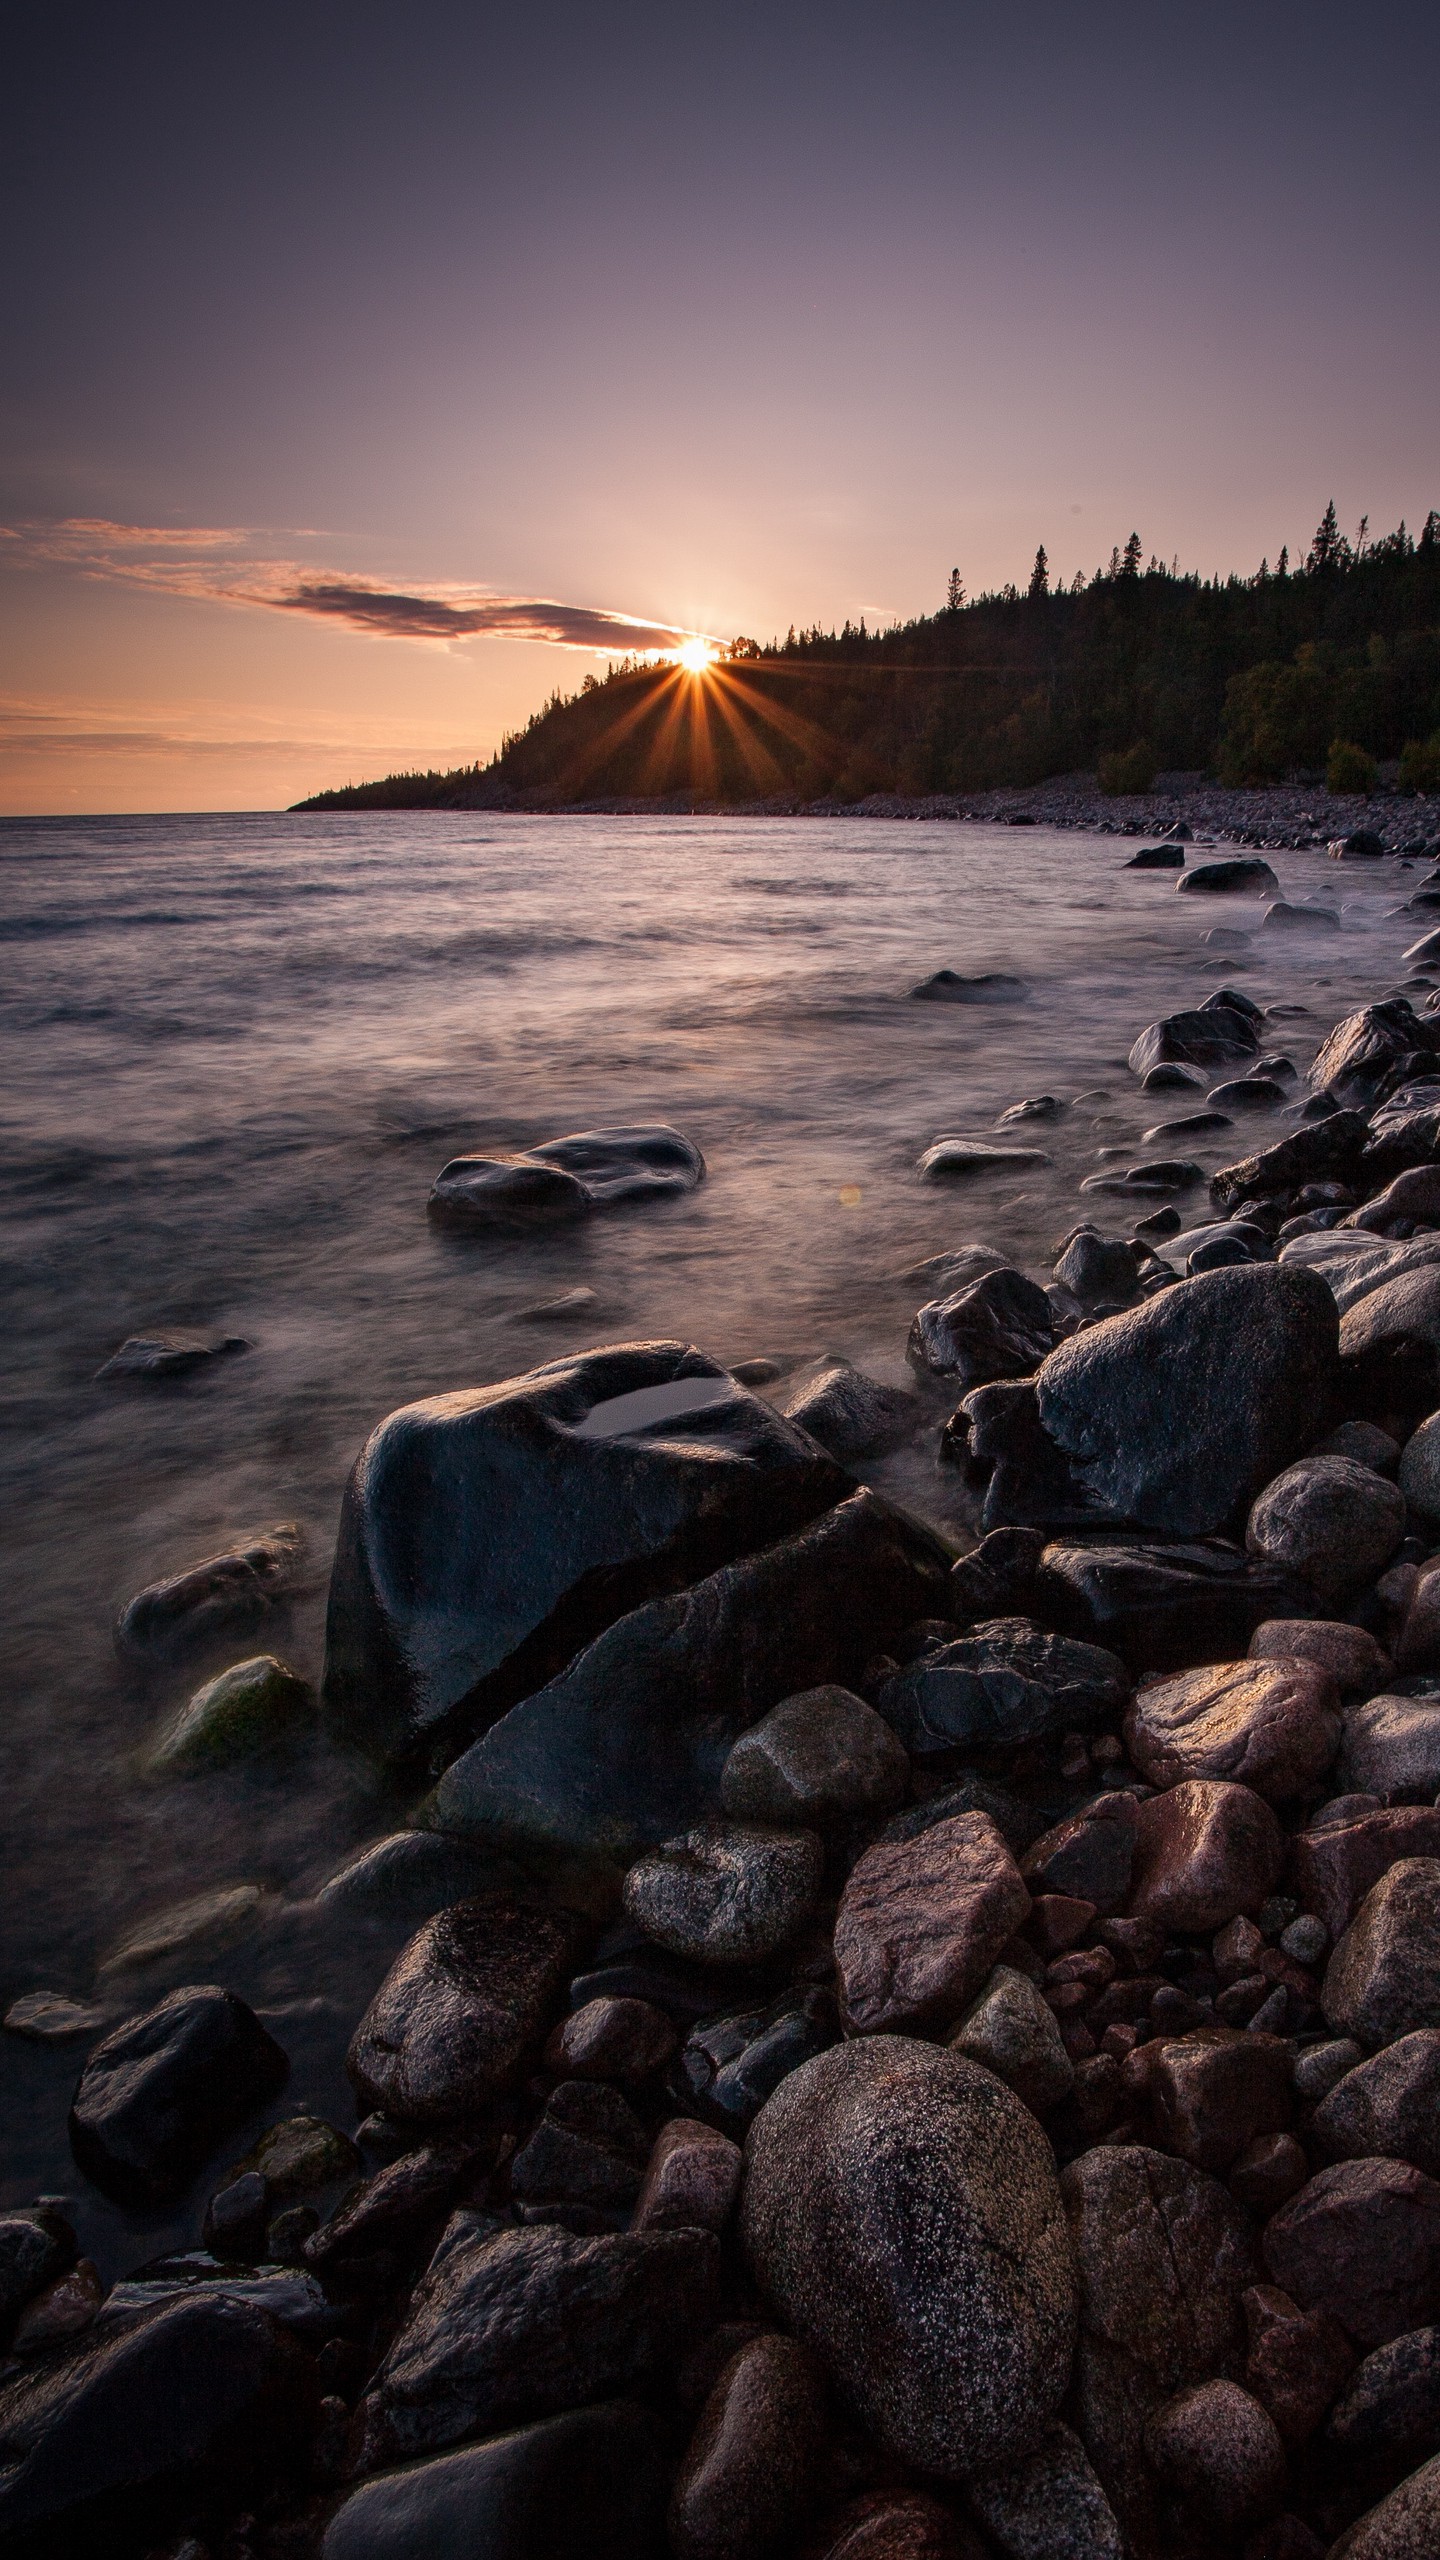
300,2155
252,1708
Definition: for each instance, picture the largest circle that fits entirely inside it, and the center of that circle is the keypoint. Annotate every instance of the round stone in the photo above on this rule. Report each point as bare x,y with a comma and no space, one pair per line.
1332,1522
1274,1726
1420,1469
814,1759
724,1893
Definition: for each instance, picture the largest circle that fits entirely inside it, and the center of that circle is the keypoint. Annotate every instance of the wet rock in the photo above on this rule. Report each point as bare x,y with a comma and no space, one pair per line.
593,2480
462,2010
921,1923
1391,2404
300,2155
1366,1443
1220,2450
236,2217
991,986
406,1878
510,2324
564,1180
1036,1106
107,2443
1163,2256
171,1355
1363,1051
1171,1078
748,2476
1392,1750
997,1578
1090,1856
1249,1351
1093,1266
1204,1851
1334,1524
814,1760
691,2180
36,2246
1383,1980
158,2094
1361,2241
1004,1683
191,1932
1163,1606
730,2065
1324,1150
487,1535
849,1414
953,1159
1417,1646
1405,2526
51,2017
1048,2506
1349,1848
1244,875
1282,917
1350,1655
190,1608
998,1327
902,2526
380,2221
253,1707
1297,2360
1215,1034
627,1746
1413,1196
900,2209
611,2040
1009,2030
66,2307
1213,2091
589,2148
1157,857
1387,2107
1420,1469
726,1893
1273,1726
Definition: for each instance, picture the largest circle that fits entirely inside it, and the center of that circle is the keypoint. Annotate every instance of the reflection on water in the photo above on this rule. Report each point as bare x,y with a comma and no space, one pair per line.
239,1051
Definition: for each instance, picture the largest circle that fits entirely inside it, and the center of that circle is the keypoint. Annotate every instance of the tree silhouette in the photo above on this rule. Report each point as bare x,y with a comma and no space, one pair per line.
955,592
1329,550
1130,558
1040,574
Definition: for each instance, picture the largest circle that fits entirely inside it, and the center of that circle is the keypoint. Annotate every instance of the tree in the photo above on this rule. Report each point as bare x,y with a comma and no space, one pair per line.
955,592
1040,574
1329,550
1130,558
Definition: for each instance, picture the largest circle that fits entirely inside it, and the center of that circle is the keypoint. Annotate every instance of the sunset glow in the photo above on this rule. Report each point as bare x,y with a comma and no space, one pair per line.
695,656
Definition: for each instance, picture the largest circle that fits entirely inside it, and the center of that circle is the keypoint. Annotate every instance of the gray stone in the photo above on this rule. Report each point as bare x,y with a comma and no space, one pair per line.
726,1893
252,1708
1391,1750
192,1607
900,2209
815,1759
1006,1682
1221,2451
1333,1523
1351,1655
1009,2030
955,1159
1383,1980
1364,1049
849,1414
1387,2107
1420,1467
1050,2506
176,1354
1391,2403
748,2476
406,1878
1215,1034
463,2009
564,1179
593,2480
998,1327
158,2094
1405,2526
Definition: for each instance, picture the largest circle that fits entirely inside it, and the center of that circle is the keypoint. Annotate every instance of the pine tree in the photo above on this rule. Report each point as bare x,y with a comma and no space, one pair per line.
1040,574
955,592
1329,547
1130,558
1282,565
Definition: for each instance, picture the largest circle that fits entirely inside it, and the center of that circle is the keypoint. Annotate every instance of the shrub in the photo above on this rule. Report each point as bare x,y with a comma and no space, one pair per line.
1134,769
1420,764
1349,768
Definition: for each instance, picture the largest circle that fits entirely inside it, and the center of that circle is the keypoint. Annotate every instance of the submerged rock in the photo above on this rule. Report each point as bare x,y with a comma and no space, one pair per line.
171,1355
564,1180
901,2211
992,986
1215,1034
950,1158
1243,874
157,2095
849,1414
222,1590
251,1708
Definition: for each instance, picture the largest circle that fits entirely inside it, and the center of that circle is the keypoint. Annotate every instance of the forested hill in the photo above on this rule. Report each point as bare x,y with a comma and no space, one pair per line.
1141,669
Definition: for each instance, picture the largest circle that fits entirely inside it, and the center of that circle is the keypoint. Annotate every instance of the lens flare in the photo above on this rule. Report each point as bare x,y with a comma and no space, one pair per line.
695,656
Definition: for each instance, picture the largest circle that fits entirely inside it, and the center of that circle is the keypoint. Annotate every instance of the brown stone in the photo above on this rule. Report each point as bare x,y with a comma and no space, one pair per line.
1220,2450
1361,2241
922,1921
909,2526
611,2040
1417,1647
1205,1850
461,2010
1383,1980
1388,2107
1269,2171
747,2478
1334,1864
1089,1856
1356,1663
1058,1921
1213,2091
1298,2361
1274,1726
691,2180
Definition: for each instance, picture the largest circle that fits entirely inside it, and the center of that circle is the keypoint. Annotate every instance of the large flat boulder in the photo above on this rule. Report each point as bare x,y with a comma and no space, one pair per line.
488,1535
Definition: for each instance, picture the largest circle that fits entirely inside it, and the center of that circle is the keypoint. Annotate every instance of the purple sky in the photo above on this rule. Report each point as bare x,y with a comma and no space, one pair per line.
346,347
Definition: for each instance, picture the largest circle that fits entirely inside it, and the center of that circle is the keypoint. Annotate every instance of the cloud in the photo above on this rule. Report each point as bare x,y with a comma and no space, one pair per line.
219,565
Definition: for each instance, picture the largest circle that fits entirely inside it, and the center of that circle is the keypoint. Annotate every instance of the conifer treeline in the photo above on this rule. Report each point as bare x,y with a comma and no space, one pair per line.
1136,670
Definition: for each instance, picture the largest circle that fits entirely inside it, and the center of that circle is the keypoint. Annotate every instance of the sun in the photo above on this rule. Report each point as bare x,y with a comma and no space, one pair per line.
695,656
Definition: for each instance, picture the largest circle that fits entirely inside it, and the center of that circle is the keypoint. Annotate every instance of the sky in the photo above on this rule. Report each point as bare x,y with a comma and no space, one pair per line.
367,373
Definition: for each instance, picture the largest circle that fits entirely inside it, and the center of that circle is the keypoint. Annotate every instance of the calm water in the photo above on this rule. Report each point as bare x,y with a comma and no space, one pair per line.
238,1050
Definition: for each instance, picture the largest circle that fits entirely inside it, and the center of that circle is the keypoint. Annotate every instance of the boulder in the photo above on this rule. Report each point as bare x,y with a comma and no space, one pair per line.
405,1878
589,2149
1391,1750
1349,1847
1162,1606
921,1922
378,2225
1246,1356
1401,1314
1047,2506
1157,857
611,2040
563,1180
1349,1655
1006,1682
900,2210
1405,1131
36,2245
1215,1034
109,2441
691,2181
1220,2451
748,2476
1204,1851
1273,1726
1363,1051
158,2093
1297,2360
1405,2526
1094,1267
814,1760
1243,875
1009,2030
1366,1443
1361,2241
512,2324
1391,2403
998,1327
1412,1196
1383,1980
221,1591
1331,1522
1090,1856
627,1746
1212,2092
1163,2256
726,1893
1388,2107
849,1414
462,2010
488,1535
1321,1151
1420,1467
591,2480
253,1707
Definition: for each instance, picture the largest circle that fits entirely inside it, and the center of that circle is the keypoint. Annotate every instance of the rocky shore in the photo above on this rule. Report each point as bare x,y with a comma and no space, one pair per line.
872,2052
